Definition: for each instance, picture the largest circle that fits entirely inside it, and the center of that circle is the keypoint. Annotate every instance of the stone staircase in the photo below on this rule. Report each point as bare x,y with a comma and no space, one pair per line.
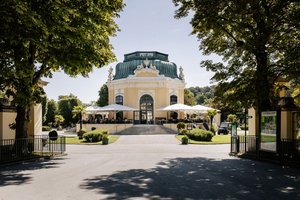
147,130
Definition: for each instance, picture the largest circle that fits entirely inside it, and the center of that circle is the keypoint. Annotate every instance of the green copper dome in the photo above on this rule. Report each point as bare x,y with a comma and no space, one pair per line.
132,60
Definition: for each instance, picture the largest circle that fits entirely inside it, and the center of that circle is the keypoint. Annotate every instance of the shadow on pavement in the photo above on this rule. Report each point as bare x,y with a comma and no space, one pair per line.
20,173
200,178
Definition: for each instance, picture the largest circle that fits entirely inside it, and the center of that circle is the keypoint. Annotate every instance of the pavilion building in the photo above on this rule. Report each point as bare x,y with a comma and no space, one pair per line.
146,81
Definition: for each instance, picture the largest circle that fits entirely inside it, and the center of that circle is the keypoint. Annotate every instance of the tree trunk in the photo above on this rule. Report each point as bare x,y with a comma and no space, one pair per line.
22,122
262,85
80,116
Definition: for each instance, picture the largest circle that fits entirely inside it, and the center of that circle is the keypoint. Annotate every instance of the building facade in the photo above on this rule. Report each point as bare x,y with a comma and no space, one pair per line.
146,81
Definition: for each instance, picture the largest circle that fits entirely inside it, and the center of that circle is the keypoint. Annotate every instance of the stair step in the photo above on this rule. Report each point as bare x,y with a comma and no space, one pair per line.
147,130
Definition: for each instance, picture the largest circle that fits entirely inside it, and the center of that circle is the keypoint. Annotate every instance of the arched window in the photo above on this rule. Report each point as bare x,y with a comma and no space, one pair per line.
173,99
119,100
119,115
146,109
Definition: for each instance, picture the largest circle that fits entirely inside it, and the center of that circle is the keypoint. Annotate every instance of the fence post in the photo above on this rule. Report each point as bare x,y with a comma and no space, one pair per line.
238,144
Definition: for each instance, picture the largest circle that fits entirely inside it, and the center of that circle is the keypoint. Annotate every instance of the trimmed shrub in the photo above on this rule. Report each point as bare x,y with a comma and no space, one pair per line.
105,139
181,125
92,137
46,128
182,132
95,135
184,140
53,135
80,133
200,135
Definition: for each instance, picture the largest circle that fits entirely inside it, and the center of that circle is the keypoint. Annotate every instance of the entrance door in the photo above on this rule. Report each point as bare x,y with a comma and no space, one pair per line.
146,109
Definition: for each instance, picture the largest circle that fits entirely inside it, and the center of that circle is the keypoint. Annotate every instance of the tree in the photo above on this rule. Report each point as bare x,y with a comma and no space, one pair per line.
189,98
259,41
51,111
232,118
103,96
211,114
44,108
58,120
39,37
78,111
66,103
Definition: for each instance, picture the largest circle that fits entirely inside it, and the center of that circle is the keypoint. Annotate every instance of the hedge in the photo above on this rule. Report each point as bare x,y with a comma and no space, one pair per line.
200,135
46,128
95,135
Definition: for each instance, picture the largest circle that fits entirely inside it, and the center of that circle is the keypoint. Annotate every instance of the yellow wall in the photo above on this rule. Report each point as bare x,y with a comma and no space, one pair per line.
160,88
112,128
7,118
35,124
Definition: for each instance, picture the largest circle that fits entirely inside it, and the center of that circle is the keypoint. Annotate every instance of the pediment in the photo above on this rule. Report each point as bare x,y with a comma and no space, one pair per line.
146,69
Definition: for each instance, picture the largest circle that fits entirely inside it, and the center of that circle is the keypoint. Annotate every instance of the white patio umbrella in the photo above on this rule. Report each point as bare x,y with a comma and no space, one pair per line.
92,109
203,109
116,108
177,107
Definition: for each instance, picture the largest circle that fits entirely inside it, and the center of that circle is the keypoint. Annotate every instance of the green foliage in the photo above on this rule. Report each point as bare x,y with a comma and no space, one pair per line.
182,132
80,133
96,135
78,112
65,106
71,36
189,98
203,95
92,136
200,135
105,139
46,128
51,111
232,118
59,119
181,125
257,40
211,114
103,96
184,140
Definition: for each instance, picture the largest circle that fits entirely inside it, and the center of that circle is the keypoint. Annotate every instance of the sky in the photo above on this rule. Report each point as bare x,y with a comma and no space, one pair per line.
146,25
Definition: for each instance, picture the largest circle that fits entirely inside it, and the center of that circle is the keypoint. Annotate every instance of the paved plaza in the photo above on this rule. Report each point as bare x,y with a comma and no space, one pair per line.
148,167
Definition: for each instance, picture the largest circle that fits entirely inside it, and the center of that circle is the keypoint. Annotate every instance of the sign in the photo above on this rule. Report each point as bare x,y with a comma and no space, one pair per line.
268,130
234,129
189,126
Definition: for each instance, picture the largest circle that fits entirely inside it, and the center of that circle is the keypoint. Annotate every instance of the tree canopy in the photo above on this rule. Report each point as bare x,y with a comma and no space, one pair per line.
103,96
39,37
66,104
259,41
189,98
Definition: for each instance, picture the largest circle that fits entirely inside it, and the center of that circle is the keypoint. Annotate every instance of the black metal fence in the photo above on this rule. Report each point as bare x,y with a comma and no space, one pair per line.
288,150
27,148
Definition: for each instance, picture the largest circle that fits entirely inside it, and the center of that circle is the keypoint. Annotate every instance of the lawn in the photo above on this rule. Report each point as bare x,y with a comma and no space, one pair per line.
217,139
75,140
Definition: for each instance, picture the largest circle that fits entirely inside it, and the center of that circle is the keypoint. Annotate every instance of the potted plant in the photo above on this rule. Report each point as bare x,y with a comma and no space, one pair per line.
105,139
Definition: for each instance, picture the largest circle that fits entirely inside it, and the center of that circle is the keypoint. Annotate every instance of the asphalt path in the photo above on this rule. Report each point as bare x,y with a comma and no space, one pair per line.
148,167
